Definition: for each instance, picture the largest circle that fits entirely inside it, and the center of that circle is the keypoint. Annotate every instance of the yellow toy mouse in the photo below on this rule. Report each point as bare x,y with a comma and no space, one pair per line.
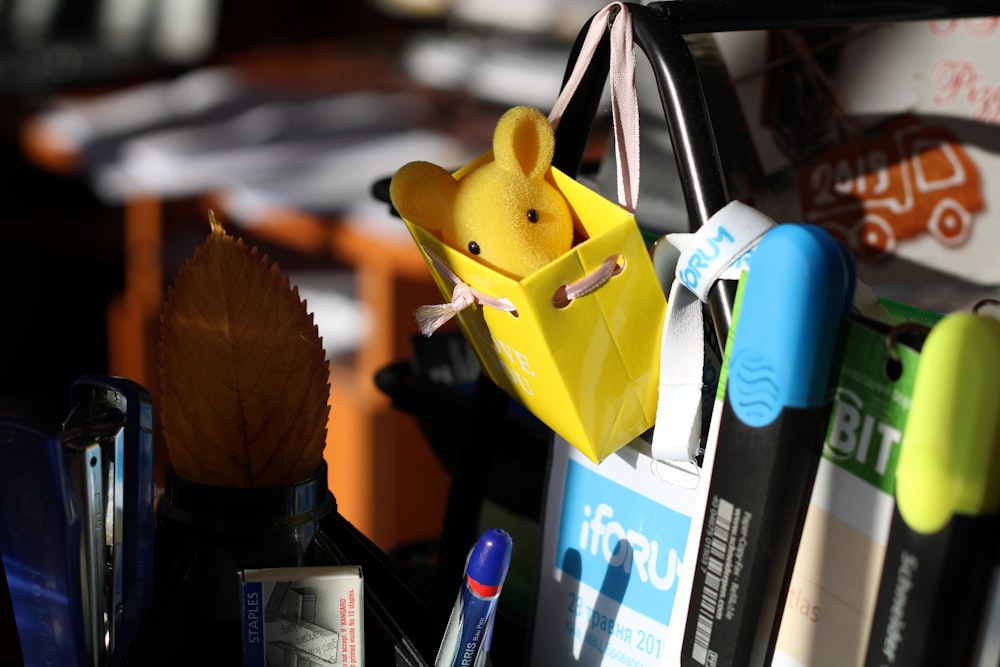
505,213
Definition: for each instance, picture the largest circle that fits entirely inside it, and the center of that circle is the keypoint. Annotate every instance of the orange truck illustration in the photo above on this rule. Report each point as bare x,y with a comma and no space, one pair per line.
914,178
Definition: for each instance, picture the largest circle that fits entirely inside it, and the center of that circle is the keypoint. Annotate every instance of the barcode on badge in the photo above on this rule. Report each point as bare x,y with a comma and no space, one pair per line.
713,581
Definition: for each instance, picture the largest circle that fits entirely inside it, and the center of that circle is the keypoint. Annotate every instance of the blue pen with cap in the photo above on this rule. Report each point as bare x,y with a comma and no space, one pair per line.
466,641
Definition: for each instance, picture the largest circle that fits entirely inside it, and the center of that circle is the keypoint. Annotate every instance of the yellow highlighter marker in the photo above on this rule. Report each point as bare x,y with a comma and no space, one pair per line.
944,533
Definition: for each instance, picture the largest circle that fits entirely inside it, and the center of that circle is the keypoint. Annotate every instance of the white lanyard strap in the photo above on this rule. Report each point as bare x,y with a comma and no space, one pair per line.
717,250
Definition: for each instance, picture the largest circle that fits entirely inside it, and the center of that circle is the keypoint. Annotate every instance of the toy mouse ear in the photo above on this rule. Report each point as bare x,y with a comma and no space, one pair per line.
524,142
423,193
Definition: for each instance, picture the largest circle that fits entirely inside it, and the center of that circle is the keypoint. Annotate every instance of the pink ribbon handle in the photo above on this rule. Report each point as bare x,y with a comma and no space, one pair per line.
431,318
624,104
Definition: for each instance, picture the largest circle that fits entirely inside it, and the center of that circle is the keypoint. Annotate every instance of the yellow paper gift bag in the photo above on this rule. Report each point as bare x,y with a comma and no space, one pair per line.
588,369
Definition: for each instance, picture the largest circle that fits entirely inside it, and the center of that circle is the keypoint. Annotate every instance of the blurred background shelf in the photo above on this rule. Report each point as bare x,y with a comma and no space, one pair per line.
107,187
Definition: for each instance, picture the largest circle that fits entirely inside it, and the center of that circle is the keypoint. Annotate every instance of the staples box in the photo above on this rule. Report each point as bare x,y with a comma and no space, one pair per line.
303,615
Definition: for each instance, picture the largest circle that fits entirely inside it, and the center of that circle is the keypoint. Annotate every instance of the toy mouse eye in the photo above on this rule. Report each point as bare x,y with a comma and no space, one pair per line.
473,247
532,215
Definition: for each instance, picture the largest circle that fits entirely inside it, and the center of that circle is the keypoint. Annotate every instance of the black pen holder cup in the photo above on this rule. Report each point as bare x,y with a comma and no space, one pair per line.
206,535
262,527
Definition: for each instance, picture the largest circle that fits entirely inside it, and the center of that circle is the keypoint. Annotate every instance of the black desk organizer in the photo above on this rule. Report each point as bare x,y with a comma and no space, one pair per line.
205,532
205,535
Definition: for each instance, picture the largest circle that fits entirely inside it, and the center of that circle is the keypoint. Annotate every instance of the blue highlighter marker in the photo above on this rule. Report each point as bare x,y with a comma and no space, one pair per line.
795,299
466,641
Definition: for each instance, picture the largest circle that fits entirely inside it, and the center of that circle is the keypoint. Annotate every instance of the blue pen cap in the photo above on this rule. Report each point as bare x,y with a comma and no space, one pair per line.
799,289
489,561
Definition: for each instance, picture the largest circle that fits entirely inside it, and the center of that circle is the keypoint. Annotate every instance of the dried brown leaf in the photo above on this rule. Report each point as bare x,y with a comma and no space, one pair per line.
244,379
